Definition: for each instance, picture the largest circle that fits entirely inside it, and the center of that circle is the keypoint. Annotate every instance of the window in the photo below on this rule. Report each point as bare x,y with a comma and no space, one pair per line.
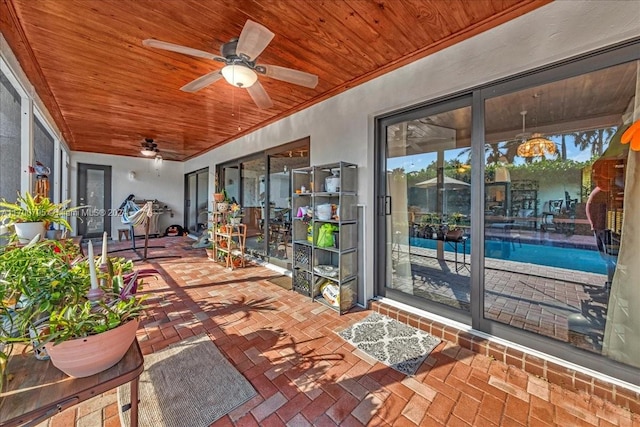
9,140
44,153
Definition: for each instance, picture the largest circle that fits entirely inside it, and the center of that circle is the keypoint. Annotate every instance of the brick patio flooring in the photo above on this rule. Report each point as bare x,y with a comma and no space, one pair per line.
305,374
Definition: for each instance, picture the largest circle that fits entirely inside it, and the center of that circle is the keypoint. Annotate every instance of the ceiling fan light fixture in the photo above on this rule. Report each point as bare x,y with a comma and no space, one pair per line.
536,146
239,75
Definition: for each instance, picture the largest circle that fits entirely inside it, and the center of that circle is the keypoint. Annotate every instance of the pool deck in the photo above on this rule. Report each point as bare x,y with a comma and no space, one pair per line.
533,297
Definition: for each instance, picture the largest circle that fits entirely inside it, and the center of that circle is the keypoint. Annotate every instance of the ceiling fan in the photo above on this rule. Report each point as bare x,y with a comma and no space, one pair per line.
522,136
149,148
420,137
241,70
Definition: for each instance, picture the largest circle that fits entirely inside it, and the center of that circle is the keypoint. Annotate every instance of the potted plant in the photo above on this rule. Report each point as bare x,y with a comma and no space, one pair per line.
454,231
46,281
235,214
33,215
223,206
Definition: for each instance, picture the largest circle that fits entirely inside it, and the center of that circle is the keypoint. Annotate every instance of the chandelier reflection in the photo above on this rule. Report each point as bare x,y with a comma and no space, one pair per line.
537,146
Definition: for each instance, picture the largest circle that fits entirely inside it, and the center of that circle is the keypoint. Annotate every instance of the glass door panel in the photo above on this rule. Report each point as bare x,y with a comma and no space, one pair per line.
428,228
554,211
252,202
94,191
279,206
197,201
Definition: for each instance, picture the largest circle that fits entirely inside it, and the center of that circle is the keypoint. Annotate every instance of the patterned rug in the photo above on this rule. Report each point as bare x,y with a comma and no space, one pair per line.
395,344
190,383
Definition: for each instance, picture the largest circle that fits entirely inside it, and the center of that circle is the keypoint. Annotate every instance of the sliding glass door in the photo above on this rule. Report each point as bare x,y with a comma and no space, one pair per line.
545,245
261,184
428,203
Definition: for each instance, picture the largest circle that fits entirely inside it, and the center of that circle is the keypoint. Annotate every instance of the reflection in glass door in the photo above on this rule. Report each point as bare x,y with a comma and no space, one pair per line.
428,188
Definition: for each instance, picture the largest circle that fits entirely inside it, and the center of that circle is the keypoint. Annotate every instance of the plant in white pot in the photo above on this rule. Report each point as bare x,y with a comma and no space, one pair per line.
33,215
235,214
45,280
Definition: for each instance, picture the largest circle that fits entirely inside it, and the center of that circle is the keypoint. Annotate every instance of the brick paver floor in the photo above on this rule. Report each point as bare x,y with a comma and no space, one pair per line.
305,375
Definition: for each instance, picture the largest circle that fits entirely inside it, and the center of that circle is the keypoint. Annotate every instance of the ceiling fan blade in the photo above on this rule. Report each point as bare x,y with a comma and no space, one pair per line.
291,76
180,49
254,38
202,82
260,96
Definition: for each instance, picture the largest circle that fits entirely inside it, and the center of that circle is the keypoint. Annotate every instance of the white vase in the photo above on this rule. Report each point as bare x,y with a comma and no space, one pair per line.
83,357
234,220
222,206
26,231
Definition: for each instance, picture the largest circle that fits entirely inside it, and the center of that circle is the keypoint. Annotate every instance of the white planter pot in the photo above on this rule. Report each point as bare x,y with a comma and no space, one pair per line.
222,206
83,357
26,231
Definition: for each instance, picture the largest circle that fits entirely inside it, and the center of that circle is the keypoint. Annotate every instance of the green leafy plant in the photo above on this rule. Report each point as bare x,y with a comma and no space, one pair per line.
30,209
48,281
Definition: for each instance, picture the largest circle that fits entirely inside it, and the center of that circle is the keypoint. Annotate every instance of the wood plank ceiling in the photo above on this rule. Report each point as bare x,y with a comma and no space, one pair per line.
107,92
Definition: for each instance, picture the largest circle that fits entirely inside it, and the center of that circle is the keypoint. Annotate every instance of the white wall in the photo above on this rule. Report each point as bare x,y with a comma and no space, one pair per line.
341,128
165,184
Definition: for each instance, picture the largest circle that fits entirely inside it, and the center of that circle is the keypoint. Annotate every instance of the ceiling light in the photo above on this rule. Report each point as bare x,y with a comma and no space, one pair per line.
239,75
148,152
536,146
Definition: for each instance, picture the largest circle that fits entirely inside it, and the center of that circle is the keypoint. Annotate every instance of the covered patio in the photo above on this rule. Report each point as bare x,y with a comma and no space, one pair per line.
287,347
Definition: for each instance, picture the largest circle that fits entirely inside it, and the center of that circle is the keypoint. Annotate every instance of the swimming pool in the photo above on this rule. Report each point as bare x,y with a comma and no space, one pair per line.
548,255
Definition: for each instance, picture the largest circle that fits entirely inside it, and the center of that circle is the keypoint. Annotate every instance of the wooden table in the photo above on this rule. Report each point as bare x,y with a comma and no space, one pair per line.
39,390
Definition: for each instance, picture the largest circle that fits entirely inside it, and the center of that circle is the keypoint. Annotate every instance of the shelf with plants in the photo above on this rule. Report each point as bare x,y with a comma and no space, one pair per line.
228,240
325,234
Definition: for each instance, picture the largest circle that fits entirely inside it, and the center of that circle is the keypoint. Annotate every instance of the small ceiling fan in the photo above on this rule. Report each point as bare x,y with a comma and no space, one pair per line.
420,136
522,136
241,70
149,148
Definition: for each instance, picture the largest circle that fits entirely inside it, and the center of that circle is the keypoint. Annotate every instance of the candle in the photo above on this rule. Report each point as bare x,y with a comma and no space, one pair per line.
104,248
92,266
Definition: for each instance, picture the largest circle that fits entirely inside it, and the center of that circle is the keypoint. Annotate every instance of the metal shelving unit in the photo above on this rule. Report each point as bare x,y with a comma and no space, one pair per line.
326,273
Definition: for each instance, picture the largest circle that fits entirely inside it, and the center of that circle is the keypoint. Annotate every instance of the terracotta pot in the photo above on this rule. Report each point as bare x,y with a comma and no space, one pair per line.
83,357
218,197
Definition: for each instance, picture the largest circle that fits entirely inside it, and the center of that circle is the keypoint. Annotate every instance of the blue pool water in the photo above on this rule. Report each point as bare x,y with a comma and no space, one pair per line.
552,256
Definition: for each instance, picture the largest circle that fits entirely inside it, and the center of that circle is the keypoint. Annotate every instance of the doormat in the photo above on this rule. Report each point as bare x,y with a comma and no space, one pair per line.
189,383
282,281
393,343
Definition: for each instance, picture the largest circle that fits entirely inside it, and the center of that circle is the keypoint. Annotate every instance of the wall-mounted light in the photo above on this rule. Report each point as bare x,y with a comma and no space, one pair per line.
132,176
158,160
